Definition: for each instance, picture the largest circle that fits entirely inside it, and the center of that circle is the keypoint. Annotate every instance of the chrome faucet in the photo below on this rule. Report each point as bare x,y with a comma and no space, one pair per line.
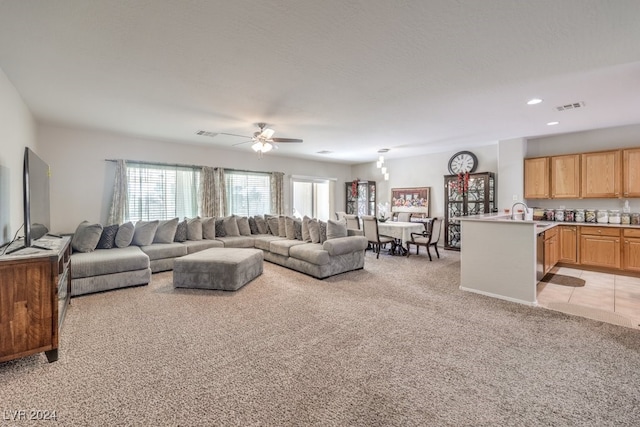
513,212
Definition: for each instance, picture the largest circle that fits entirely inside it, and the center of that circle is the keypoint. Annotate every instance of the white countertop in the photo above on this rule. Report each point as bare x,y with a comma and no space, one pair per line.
540,225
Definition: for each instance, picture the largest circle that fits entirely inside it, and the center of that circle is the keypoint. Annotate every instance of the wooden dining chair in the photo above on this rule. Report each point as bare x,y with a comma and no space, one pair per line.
404,217
370,228
353,222
429,237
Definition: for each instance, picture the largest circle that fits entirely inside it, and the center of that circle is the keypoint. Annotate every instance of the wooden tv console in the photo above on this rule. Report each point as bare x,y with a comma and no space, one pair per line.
35,288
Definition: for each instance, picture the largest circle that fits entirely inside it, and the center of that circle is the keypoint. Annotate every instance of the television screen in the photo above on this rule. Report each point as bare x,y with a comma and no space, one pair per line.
36,197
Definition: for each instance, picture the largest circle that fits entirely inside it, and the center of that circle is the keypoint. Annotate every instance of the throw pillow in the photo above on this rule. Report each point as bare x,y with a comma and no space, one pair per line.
86,237
144,232
282,226
166,231
314,231
263,228
290,229
220,228
305,229
181,232
243,226
336,229
274,225
108,237
208,228
124,236
194,229
323,231
253,226
298,226
230,226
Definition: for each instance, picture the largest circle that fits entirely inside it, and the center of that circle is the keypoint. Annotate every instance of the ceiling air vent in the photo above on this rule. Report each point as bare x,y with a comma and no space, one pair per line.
571,106
324,152
206,133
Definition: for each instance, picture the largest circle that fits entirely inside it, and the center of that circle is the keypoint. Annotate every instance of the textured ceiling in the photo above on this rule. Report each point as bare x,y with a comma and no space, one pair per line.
347,76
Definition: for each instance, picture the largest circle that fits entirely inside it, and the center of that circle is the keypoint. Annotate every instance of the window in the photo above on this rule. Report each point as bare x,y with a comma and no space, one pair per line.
162,192
312,197
248,193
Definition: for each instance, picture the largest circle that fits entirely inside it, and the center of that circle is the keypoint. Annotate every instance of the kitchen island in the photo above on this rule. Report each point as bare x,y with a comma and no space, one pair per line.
498,256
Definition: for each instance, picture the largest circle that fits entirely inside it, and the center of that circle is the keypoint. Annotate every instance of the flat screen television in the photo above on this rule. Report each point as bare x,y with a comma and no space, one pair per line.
36,197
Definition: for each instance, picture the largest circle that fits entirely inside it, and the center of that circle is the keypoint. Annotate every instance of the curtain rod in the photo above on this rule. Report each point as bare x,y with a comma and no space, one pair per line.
141,162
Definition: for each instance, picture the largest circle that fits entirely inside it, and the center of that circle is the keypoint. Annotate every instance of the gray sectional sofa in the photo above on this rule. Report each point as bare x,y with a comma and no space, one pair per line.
128,254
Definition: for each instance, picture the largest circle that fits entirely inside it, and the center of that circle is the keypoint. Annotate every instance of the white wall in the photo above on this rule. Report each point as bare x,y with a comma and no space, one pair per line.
17,131
423,171
511,172
81,181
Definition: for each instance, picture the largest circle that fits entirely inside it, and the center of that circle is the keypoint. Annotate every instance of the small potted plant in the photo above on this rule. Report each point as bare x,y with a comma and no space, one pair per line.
382,212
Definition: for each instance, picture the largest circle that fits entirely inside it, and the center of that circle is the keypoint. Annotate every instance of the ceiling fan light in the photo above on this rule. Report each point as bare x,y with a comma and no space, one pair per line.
257,147
266,147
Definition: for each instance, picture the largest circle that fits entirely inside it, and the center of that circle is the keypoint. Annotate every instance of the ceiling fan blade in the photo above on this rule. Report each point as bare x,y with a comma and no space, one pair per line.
240,143
286,140
233,134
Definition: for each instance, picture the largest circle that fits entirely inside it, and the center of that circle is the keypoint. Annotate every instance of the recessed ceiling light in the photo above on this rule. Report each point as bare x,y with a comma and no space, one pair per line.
552,123
534,101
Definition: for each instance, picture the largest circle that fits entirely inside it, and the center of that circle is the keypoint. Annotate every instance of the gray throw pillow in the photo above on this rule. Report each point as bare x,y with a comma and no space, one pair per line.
124,236
208,228
323,231
336,229
274,225
194,229
261,223
243,225
230,226
306,237
282,226
108,237
86,237
181,232
314,231
253,227
144,232
289,228
166,231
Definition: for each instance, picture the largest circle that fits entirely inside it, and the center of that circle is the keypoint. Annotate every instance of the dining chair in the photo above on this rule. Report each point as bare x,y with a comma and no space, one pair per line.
429,237
404,217
370,228
353,222
340,215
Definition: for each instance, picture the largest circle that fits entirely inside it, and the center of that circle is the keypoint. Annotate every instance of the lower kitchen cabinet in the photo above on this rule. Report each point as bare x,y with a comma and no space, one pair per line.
600,247
551,249
568,244
631,249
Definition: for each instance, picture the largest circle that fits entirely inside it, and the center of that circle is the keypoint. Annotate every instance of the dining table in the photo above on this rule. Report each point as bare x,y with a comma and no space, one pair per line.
400,231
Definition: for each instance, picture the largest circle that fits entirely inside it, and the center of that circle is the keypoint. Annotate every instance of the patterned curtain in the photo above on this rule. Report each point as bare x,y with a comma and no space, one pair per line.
219,193
277,193
207,192
119,209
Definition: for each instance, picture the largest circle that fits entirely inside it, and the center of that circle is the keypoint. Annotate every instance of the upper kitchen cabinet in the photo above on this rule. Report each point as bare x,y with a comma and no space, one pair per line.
631,172
601,174
536,178
565,176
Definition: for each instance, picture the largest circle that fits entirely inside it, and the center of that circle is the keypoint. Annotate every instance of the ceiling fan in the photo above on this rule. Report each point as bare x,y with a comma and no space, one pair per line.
263,140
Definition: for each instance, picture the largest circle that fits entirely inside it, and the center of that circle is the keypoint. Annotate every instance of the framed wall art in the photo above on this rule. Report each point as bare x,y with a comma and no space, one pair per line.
413,200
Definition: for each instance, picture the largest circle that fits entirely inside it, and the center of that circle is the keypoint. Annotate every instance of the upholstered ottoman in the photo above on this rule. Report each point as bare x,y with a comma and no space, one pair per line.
227,269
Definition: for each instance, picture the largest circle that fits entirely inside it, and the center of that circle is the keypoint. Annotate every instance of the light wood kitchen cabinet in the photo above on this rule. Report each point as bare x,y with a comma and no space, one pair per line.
536,178
568,244
565,176
631,172
631,249
601,174
551,249
600,247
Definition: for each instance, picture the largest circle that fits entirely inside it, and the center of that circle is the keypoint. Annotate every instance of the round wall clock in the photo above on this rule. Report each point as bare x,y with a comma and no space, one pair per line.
463,162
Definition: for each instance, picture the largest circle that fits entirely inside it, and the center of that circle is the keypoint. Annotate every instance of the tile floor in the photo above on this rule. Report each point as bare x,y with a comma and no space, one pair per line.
610,292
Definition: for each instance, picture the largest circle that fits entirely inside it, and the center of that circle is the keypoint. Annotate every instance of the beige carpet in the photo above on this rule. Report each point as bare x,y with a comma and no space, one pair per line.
396,344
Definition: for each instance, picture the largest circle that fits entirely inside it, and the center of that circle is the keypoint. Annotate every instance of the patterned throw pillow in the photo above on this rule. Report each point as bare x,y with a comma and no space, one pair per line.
253,226
297,224
220,228
181,232
108,237
323,231
263,228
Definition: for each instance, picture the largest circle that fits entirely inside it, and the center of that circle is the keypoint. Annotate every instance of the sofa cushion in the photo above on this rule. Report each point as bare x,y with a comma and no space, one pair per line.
86,237
345,245
261,223
230,226
144,232
314,231
274,224
166,231
289,228
253,227
200,245
243,225
310,252
164,250
208,228
237,241
108,237
262,241
336,229
181,232
306,237
194,229
108,261
124,235
281,247
282,226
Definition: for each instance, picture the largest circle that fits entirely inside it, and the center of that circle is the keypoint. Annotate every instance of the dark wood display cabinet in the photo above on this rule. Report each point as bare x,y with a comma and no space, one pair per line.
466,194
360,198
35,288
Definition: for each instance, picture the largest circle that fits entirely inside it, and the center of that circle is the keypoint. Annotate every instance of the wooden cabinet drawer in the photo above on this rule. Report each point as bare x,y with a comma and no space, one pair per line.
600,231
632,232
